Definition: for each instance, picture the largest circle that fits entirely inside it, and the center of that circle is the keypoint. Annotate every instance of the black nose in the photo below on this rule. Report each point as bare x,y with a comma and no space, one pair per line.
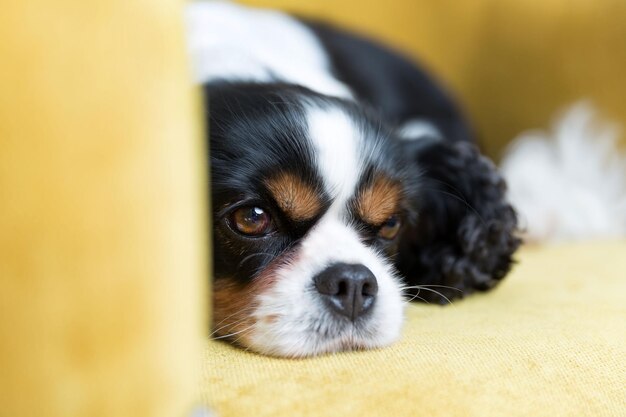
349,290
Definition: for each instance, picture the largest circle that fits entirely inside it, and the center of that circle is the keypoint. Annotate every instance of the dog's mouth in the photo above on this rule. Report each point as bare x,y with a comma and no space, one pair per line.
320,338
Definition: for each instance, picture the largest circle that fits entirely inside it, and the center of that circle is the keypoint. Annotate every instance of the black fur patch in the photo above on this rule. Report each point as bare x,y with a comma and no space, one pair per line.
466,233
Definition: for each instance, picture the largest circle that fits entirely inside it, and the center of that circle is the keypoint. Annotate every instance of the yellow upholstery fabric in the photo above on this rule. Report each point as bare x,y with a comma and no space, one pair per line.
550,341
512,63
102,247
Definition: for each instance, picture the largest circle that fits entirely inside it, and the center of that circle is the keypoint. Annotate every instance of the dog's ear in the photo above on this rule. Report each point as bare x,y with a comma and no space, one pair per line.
464,234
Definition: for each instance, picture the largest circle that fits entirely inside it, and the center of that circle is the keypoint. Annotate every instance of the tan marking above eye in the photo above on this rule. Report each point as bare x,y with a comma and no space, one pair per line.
297,199
378,201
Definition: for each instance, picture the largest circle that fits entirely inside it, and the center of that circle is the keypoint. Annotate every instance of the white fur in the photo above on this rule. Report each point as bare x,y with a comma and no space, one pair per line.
416,129
229,41
569,183
304,325
337,142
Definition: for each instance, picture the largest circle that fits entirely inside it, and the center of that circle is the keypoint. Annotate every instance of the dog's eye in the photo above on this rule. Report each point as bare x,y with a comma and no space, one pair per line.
251,221
390,228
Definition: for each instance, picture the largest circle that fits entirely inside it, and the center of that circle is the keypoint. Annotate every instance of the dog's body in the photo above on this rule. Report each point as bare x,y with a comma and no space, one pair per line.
342,176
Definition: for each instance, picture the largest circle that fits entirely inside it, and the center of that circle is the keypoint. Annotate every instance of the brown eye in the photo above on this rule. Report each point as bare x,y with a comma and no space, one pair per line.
251,221
390,228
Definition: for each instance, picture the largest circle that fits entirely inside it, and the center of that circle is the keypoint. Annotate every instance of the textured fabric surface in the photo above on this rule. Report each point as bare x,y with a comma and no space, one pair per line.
102,261
512,63
550,341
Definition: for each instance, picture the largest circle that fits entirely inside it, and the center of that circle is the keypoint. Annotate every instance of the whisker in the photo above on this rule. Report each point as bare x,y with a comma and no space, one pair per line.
461,199
234,323
432,285
417,296
235,333
236,341
449,185
246,308
438,293
247,258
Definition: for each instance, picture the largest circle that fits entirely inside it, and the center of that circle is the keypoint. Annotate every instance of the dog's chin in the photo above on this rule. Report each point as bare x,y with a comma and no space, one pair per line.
289,338
309,345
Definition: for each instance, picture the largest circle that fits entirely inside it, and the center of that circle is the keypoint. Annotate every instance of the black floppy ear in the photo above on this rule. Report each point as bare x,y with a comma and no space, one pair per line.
465,233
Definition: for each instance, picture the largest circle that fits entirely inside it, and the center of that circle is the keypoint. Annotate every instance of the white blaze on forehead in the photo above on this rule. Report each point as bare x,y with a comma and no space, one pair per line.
337,142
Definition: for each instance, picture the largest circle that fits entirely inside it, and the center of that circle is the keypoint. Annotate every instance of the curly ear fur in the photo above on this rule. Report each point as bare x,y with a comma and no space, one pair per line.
465,233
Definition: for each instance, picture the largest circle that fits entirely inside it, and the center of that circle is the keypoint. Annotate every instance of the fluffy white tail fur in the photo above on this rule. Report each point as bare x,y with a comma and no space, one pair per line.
569,183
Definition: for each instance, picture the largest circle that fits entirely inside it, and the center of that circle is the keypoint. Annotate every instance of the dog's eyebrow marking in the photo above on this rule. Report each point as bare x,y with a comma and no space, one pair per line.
299,200
377,201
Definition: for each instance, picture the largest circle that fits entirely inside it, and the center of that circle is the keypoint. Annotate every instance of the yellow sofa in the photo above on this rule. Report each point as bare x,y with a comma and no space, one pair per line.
103,255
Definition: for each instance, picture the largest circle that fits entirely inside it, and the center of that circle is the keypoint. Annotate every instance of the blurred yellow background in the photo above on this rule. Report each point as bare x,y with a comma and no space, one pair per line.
513,64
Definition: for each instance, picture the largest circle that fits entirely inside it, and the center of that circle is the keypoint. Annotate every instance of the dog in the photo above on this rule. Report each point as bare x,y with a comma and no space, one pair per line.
344,182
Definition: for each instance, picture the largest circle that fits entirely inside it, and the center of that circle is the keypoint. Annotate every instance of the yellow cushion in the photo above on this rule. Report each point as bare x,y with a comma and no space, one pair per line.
550,341
102,261
512,63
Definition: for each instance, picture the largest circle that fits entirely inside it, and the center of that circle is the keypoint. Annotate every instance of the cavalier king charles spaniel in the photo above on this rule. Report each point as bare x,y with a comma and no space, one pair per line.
344,182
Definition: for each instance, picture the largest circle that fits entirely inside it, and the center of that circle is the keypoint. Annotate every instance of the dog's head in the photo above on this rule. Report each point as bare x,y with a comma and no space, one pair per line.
317,204
310,195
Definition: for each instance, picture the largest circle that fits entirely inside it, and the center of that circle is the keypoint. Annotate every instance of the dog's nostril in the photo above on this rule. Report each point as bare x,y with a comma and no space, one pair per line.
348,289
342,288
368,289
